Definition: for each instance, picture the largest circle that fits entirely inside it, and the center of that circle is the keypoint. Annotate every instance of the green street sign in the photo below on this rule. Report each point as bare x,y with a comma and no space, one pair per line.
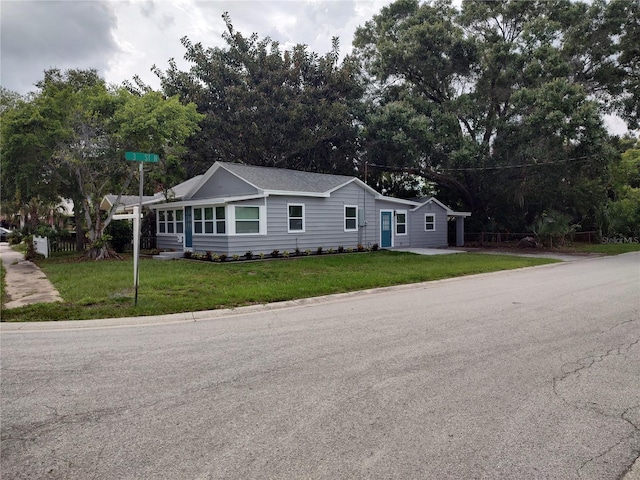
142,157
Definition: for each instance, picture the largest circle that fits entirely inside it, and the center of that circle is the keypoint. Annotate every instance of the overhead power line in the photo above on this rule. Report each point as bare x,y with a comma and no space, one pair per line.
496,167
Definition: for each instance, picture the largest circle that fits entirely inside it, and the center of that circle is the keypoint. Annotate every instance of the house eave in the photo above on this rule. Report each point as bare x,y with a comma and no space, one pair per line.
208,201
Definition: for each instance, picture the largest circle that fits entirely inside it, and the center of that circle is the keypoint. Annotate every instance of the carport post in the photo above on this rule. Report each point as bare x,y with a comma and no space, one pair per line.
459,231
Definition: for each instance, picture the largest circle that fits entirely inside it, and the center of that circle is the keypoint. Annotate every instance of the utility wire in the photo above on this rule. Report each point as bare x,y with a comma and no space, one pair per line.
497,167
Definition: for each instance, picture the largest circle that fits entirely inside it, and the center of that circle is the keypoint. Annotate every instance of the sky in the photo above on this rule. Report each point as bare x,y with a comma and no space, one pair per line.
122,38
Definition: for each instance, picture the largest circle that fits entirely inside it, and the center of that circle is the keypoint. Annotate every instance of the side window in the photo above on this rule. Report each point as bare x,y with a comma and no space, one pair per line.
429,222
296,217
401,223
350,218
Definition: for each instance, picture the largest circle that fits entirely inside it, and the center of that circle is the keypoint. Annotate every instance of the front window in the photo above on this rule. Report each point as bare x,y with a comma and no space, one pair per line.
247,220
429,222
296,217
401,223
209,220
350,218
170,221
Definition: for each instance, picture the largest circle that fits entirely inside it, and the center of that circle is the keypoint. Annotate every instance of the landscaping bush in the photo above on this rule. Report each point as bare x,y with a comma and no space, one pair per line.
121,233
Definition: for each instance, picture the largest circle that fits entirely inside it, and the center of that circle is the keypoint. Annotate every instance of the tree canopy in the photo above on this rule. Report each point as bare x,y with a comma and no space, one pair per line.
266,106
69,139
499,103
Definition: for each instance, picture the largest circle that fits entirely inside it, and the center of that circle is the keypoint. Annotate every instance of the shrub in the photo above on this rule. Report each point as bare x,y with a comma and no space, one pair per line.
319,251
285,254
121,233
248,255
223,257
375,247
262,255
188,254
307,252
360,247
349,250
340,249
298,252
15,237
331,250
275,253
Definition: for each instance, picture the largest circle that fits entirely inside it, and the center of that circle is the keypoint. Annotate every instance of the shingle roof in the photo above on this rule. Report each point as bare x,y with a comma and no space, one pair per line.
281,179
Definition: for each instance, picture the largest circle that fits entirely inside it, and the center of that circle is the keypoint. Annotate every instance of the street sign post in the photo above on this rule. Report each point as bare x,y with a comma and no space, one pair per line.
142,158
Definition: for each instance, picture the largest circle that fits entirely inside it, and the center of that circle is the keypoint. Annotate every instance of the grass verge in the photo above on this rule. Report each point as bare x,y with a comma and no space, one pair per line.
105,289
608,248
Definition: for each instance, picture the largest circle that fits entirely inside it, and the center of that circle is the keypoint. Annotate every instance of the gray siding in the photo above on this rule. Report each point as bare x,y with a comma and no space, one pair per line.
428,239
222,184
324,225
169,242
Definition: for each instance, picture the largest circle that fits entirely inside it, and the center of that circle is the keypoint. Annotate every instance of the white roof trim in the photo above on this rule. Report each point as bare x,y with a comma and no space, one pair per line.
402,201
353,180
208,201
451,213
205,177
297,194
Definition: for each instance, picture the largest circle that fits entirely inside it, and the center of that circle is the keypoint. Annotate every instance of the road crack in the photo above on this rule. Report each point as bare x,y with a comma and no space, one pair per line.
630,415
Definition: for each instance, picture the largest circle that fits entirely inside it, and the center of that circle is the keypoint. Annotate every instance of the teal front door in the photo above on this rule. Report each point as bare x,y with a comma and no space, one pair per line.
385,229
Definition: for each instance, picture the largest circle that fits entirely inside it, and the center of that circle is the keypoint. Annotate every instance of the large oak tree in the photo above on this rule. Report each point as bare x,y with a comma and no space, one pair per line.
499,103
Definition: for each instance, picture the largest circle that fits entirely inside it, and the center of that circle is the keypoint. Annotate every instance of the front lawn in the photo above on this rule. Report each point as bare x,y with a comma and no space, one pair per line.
105,289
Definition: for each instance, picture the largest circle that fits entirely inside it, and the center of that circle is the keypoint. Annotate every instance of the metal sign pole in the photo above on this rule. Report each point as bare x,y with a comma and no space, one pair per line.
136,245
137,223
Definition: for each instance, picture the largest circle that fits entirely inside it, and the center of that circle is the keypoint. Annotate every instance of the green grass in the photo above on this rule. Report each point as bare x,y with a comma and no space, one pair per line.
607,248
105,289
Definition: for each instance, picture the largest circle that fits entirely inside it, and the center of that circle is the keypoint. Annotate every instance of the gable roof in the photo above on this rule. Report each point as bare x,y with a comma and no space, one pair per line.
282,181
424,201
125,201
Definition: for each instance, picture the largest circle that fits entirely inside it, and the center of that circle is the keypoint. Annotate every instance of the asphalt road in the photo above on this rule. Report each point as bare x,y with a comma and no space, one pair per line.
526,374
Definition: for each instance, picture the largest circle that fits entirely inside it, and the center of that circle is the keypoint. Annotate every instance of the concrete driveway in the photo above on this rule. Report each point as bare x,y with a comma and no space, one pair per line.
522,374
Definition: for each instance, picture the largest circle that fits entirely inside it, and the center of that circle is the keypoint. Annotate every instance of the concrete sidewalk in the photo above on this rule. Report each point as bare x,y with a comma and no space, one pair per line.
25,282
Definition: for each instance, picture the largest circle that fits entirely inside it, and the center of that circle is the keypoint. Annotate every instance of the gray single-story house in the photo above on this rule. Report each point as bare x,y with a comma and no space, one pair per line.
235,208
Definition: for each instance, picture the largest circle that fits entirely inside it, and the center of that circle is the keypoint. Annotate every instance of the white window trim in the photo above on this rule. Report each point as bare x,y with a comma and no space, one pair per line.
344,218
433,221
262,219
215,220
406,222
304,223
166,222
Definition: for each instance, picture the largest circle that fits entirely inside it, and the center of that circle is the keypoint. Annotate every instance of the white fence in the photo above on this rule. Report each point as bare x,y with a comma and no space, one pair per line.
41,245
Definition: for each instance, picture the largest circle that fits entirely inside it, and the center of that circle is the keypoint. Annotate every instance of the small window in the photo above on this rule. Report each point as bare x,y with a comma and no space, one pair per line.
429,222
221,224
296,217
197,220
247,220
170,221
179,221
350,218
401,223
209,220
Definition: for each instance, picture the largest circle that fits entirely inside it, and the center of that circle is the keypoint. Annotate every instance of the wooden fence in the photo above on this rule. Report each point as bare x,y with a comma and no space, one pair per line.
66,245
